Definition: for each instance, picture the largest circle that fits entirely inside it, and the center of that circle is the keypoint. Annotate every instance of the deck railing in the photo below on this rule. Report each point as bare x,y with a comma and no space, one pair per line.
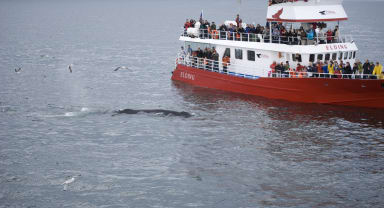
228,68
266,38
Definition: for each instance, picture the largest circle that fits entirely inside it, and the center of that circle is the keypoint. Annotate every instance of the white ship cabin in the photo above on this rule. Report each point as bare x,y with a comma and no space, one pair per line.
297,32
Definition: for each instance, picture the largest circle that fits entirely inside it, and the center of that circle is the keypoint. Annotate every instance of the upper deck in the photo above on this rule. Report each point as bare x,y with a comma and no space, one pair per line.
288,44
306,11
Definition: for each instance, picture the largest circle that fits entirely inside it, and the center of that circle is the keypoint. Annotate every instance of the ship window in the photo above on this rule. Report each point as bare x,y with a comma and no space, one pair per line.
312,58
327,56
341,56
251,55
238,53
354,54
296,57
320,57
227,52
345,55
334,56
350,55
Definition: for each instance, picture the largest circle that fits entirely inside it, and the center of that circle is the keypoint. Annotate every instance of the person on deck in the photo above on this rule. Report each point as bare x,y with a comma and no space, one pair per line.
338,70
378,70
355,69
273,69
310,36
321,36
226,62
238,20
189,50
331,69
366,69
329,36
325,69
215,58
371,68
182,54
336,34
347,71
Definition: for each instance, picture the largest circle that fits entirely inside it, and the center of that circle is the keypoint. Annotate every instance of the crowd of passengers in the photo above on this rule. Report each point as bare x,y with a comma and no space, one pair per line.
331,69
272,2
209,59
315,34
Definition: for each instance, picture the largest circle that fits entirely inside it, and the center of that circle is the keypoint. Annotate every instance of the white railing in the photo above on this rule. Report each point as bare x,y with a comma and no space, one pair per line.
266,38
230,69
294,74
214,66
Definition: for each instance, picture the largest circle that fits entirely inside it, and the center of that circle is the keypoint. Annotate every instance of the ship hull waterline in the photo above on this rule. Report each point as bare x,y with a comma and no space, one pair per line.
346,92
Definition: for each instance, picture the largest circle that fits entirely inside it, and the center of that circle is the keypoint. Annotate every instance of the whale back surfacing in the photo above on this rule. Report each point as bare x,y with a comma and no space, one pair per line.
155,111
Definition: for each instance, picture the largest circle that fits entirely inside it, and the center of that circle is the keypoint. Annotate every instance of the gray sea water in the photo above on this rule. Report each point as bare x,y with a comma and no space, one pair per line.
236,150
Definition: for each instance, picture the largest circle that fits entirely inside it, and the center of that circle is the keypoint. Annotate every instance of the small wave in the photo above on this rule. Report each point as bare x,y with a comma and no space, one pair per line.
5,109
84,111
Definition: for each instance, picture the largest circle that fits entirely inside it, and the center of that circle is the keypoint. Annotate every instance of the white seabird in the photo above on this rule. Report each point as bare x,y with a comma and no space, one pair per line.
120,67
69,181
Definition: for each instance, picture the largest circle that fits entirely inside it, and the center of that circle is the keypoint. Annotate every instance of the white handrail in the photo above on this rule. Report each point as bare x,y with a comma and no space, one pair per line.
219,66
214,66
265,38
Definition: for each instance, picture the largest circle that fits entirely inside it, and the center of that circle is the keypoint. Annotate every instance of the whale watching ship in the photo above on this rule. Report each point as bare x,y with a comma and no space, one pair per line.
299,55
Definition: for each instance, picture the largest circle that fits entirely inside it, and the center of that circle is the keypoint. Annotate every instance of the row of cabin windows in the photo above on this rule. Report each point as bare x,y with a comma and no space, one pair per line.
327,56
251,55
239,54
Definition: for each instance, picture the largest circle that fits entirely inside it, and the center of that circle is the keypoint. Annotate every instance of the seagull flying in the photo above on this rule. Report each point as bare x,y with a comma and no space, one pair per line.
70,68
18,70
69,181
120,67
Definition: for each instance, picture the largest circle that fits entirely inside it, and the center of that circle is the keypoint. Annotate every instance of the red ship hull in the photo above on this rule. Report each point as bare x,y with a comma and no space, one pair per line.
349,92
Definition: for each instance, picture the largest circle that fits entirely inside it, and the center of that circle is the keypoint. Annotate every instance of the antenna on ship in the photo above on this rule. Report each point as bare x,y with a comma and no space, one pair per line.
239,8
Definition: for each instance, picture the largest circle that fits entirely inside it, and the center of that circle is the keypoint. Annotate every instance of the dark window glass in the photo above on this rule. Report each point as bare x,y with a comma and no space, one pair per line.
298,57
320,57
227,52
238,53
251,55
345,55
334,56
327,57
354,54
340,56
312,58
293,57
350,55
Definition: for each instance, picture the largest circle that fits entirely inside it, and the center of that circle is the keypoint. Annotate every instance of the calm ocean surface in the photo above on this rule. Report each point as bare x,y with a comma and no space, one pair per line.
236,150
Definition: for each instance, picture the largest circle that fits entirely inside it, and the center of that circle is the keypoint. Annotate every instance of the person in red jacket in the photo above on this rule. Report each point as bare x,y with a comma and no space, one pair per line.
273,69
329,36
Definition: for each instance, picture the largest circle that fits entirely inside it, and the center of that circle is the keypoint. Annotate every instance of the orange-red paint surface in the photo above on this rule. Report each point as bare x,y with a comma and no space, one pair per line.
350,92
